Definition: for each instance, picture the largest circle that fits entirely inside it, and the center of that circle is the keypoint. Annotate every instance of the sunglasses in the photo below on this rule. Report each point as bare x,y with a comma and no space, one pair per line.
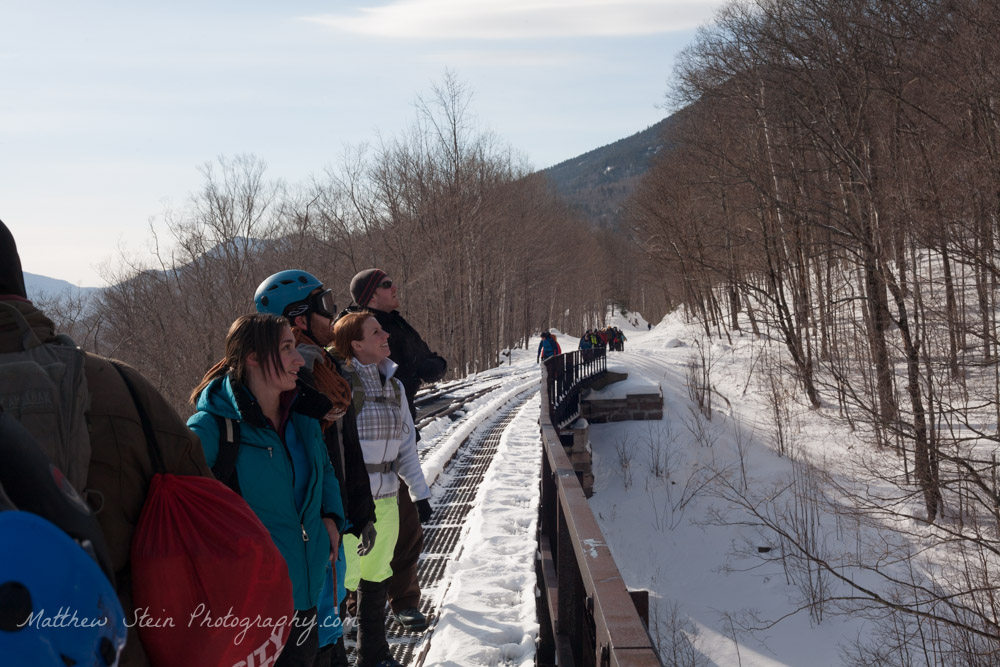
385,283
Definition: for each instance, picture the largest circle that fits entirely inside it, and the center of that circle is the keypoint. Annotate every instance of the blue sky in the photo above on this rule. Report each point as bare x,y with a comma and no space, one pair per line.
108,109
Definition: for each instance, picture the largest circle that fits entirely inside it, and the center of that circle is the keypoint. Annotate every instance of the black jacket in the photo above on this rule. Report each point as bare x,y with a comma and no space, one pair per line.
417,364
344,449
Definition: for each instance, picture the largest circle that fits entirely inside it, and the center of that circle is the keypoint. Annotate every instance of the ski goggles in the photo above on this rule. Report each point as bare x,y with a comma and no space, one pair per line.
320,303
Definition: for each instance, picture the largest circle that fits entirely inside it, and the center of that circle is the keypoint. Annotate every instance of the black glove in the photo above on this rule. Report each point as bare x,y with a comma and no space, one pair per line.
367,539
424,510
432,368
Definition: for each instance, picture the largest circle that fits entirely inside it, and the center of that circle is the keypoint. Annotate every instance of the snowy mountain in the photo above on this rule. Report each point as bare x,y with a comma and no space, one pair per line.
37,286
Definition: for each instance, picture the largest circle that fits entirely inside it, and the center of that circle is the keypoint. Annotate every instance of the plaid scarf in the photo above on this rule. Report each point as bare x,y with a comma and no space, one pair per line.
327,380
380,418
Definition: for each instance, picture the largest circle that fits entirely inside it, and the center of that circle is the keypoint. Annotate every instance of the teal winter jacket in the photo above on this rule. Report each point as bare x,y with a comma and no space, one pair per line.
265,475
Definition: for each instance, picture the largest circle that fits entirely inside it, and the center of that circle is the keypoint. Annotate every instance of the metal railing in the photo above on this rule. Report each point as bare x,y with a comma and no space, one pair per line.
564,376
587,616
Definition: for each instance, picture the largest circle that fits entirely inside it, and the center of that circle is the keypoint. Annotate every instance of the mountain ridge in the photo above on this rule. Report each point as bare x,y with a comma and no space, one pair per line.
599,182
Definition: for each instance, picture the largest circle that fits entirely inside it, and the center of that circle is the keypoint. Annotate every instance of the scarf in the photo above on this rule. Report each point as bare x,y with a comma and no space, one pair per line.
327,379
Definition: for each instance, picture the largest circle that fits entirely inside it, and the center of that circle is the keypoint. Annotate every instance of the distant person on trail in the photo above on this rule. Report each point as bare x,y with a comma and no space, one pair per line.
302,299
547,347
617,340
108,460
282,467
389,441
587,346
374,292
603,335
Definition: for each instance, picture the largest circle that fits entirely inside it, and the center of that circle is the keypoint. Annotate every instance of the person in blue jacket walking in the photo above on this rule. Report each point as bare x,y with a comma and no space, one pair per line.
548,346
282,467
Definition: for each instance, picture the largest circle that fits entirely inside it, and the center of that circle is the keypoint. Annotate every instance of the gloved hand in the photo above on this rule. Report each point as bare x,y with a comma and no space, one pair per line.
367,538
432,368
424,510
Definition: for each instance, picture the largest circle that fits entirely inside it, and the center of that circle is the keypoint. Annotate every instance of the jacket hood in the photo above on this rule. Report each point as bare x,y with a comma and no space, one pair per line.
10,337
219,398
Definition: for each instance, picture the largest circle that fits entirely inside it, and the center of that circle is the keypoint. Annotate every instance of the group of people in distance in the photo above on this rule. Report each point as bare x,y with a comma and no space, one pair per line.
612,338
327,451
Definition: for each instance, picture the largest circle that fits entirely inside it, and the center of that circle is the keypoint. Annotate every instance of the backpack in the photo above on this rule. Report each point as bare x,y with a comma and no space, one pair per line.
229,447
43,386
358,392
200,555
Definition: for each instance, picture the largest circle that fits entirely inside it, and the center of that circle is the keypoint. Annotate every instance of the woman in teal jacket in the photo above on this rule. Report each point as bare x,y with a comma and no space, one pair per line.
282,467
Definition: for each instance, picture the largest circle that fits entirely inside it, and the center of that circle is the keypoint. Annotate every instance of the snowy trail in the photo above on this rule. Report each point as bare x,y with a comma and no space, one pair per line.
486,599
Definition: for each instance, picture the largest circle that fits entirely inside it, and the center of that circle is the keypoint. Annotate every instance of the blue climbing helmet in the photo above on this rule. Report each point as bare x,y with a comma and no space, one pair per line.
56,606
290,294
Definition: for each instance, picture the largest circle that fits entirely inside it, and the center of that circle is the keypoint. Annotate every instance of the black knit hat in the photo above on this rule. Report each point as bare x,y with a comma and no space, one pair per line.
11,277
364,283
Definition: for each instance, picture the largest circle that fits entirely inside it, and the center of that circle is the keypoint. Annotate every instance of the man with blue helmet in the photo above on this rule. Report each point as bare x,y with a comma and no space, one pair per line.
300,297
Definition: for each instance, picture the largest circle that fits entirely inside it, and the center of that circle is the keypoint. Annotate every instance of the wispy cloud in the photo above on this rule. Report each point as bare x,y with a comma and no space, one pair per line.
521,19
506,58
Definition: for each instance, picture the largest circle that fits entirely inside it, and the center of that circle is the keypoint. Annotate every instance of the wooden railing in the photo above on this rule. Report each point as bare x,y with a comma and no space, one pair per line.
564,376
587,615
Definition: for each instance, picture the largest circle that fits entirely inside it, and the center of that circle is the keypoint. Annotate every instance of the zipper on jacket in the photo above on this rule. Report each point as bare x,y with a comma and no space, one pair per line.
302,525
270,450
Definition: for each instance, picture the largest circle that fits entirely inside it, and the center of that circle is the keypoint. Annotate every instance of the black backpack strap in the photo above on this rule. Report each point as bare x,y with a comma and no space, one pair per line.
155,456
229,447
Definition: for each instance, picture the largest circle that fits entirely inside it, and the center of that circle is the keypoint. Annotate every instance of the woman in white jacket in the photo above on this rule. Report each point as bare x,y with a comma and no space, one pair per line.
389,443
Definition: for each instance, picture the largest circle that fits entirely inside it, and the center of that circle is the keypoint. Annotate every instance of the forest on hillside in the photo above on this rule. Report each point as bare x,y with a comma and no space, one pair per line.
484,252
835,185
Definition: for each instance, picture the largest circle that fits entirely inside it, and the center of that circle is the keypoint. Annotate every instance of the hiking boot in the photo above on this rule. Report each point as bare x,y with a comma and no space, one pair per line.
411,619
338,654
373,649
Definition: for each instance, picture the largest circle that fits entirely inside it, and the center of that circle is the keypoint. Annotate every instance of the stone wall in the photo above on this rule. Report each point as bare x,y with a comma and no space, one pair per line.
576,438
633,407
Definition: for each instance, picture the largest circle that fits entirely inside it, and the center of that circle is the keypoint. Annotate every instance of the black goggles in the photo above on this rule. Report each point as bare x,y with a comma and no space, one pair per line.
320,303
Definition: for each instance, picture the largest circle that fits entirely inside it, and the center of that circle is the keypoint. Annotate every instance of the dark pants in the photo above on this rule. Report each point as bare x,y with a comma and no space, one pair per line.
404,590
303,643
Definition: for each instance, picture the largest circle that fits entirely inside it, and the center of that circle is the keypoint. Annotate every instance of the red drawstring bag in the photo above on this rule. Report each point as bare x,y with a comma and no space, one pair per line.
202,558
208,584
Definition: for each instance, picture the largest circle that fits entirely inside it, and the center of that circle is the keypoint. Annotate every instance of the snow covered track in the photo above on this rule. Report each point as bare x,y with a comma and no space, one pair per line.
457,494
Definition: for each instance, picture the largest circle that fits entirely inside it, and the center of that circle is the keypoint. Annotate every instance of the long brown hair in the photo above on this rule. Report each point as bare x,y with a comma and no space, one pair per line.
258,332
348,329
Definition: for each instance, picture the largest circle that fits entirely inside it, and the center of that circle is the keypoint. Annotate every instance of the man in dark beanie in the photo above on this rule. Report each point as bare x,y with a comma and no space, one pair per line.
104,454
374,291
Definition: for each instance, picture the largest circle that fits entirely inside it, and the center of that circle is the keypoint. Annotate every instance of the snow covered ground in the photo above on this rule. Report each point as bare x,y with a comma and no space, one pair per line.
708,575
